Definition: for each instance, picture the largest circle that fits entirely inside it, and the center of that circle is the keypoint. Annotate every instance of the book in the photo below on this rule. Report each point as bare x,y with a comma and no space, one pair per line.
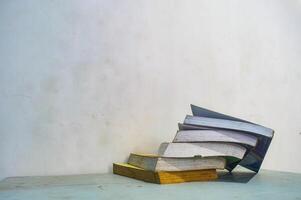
262,141
216,136
205,149
157,163
163,177
254,158
233,153
183,127
228,124
203,112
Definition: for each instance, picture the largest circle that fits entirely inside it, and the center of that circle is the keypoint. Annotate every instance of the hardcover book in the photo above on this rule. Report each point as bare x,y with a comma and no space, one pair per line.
233,153
164,177
216,136
157,163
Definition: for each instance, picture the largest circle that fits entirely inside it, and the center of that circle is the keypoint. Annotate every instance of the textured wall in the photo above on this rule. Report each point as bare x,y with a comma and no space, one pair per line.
84,83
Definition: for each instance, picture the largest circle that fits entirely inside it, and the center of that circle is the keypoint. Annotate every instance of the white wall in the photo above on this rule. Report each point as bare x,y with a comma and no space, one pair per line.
84,83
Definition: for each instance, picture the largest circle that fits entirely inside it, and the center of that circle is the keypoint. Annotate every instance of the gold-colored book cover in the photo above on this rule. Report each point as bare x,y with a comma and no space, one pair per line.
164,177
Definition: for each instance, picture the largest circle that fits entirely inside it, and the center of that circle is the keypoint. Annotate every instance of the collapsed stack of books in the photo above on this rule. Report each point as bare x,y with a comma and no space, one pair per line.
206,142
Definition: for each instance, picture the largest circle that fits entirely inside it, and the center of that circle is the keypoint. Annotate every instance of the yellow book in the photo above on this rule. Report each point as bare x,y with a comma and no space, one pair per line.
164,177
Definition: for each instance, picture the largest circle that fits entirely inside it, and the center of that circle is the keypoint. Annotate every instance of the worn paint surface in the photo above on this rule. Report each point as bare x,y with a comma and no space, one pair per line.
265,185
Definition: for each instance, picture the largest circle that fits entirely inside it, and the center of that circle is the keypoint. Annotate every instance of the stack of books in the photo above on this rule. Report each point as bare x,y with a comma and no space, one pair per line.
207,141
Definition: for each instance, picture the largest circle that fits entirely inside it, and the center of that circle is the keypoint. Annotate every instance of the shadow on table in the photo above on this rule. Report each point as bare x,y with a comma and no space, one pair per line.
236,176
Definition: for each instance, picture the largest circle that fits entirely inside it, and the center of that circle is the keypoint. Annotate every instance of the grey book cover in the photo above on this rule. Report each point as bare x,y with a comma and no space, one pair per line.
205,118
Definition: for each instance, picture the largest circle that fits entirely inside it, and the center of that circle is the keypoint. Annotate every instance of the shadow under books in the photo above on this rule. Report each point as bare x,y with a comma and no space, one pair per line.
236,176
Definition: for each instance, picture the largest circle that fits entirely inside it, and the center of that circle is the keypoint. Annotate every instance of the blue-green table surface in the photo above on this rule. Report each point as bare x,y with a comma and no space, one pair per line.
241,185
